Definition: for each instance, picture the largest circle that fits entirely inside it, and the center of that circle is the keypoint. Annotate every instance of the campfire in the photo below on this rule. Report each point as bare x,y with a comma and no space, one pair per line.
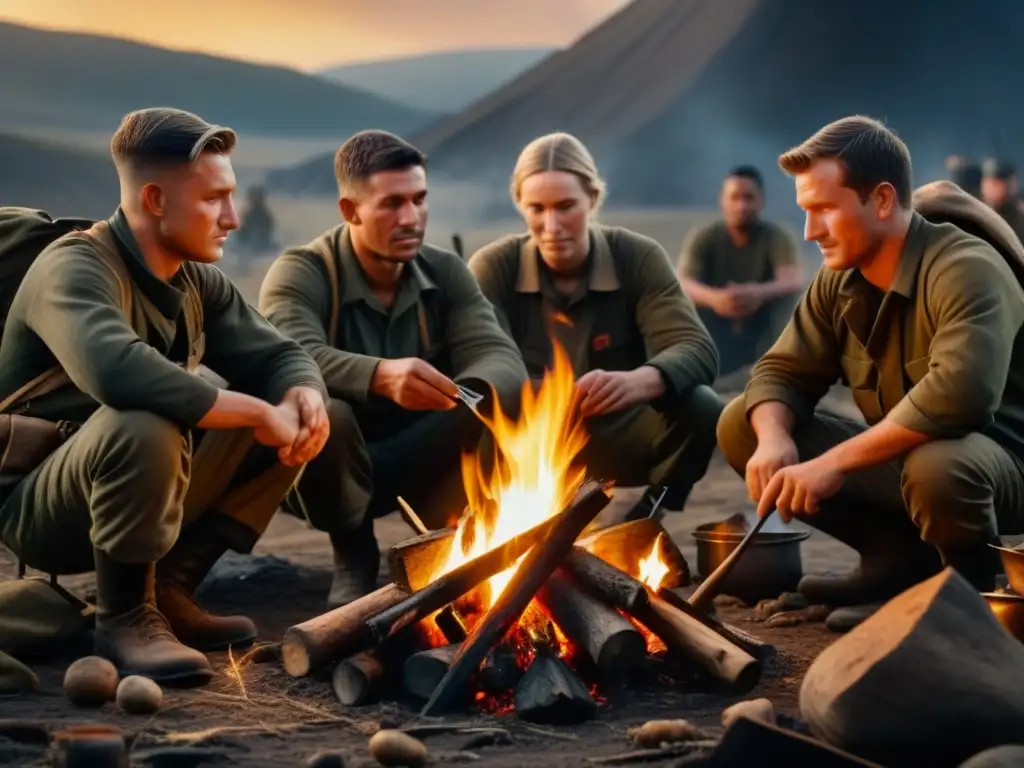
524,605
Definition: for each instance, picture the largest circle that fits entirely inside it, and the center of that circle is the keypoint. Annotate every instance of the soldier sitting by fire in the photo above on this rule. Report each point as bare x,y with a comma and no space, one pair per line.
393,324
643,360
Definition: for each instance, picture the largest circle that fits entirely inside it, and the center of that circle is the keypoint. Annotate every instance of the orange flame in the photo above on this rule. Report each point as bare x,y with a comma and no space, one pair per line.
534,475
653,569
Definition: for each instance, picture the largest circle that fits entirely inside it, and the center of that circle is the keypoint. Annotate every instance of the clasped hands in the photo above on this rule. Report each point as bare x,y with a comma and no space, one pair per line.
298,426
777,479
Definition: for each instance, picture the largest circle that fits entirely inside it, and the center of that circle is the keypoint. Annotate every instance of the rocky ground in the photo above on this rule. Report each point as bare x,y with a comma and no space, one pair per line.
258,716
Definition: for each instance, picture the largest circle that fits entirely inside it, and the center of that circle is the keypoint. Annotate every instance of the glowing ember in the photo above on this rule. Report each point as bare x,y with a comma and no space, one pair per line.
534,476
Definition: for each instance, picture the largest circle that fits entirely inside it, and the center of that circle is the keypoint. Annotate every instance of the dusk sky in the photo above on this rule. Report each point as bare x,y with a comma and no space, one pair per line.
313,34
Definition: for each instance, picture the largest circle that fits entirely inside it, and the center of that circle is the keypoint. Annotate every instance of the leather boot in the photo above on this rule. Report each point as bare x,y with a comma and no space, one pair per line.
133,634
356,564
893,557
178,576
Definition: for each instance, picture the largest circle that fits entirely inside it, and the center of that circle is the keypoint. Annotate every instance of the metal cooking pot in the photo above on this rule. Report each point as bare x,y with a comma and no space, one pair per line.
770,566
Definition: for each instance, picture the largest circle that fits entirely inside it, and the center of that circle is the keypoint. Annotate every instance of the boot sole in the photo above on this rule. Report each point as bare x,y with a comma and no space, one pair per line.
243,642
179,679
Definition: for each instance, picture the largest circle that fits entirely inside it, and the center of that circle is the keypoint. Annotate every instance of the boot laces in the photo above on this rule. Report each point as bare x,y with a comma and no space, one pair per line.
151,624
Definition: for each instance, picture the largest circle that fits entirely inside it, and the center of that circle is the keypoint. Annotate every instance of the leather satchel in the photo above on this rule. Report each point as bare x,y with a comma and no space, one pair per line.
26,441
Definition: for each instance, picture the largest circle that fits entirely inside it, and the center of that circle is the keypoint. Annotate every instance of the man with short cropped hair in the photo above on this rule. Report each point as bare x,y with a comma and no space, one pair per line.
395,325
165,472
920,317
742,272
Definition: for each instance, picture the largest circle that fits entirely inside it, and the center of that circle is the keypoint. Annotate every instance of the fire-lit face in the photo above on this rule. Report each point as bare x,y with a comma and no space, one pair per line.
196,207
742,201
387,214
557,211
997,192
848,231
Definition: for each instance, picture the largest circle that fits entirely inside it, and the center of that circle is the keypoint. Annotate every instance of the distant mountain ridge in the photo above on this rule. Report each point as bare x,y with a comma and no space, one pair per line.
88,82
441,82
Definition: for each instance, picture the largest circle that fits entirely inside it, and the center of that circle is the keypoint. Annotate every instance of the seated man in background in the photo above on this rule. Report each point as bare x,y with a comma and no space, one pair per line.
1001,192
742,272
165,472
394,324
644,362
922,322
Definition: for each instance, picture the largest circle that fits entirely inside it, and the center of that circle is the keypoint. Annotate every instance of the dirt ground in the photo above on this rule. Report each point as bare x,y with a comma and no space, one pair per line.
269,719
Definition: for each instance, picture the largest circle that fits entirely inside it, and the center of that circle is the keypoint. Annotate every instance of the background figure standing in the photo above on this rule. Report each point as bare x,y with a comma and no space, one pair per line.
742,273
965,173
1000,191
256,231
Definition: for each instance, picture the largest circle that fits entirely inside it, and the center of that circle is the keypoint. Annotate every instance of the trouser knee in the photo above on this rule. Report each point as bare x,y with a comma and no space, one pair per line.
736,438
139,472
947,497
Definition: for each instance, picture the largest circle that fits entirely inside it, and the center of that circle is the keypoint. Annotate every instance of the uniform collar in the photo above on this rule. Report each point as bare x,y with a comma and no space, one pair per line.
602,274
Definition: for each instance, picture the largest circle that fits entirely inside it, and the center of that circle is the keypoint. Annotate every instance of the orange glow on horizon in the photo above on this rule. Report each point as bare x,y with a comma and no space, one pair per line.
320,33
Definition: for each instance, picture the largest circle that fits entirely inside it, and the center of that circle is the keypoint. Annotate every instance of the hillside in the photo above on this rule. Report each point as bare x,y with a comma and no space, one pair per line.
60,180
441,82
88,82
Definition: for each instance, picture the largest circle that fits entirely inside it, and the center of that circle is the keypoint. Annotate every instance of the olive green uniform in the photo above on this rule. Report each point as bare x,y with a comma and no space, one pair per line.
377,449
710,256
628,311
940,353
137,470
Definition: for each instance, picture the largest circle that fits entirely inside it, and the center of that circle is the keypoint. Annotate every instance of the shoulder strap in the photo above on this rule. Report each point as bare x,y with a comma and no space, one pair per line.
55,377
327,255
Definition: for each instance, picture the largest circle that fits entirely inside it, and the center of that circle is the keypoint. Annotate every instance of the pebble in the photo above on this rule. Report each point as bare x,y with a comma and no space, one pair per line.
326,760
654,733
817,612
756,709
90,682
791,601
139,695
728,601
765,609
785,619
394,748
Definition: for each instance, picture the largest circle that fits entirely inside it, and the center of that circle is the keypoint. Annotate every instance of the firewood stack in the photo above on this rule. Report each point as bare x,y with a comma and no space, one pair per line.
598,615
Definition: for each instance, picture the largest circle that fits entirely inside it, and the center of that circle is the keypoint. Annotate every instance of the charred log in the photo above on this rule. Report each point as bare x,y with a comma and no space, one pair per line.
550,692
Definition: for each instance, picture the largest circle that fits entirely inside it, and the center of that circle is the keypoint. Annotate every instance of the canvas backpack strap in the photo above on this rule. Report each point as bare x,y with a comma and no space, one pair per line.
328,257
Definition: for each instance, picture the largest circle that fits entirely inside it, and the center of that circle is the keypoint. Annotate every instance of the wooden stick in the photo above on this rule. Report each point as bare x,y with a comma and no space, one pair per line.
610,641
355,679
541,561
324,638
624,544
677,629
411,518
705,593
760,649
453,584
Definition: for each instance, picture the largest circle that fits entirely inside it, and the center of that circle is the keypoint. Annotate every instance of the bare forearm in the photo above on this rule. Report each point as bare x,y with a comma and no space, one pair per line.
771,420
235,410
776,289
700,294
881,443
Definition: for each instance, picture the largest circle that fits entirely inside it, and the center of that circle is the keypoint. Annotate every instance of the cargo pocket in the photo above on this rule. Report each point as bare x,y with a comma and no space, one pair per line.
861,376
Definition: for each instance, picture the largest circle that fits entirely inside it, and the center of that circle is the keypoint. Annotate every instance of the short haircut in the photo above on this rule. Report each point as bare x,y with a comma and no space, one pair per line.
370,152
162,137
870,153
747,172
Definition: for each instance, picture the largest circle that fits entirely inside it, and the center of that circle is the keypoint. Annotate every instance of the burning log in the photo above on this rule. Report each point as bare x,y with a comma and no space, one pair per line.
677,629
467,576
424,670
500,672
324,638
609,640
355,679
550,692
450,624
536,567
624,544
